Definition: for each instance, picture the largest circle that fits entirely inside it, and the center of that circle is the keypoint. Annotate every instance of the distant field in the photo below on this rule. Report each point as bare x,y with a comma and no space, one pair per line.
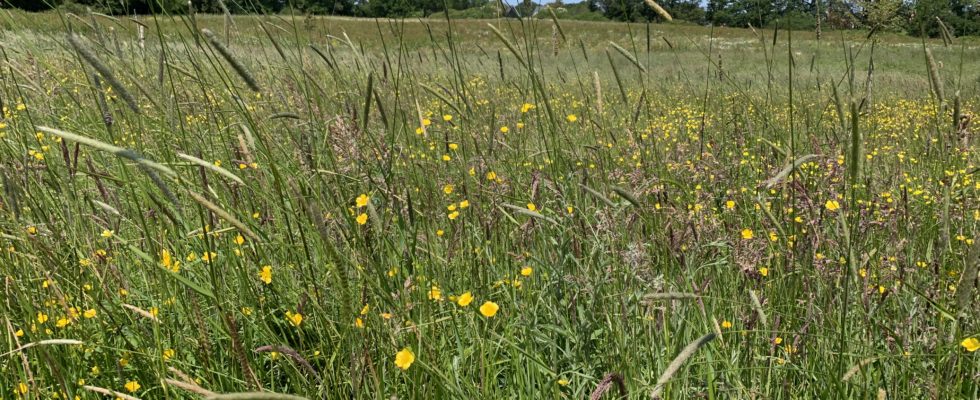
295,207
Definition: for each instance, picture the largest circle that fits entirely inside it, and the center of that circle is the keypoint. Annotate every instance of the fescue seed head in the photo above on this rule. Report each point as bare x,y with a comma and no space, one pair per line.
190,387
255,396
757,306
554,39
629,56
934,78
598,91
965,289
678,362
108,392
103,105
239,352
669,296
606,383
145,314
49,342
659,10
103,70
235,64
293,354
857,368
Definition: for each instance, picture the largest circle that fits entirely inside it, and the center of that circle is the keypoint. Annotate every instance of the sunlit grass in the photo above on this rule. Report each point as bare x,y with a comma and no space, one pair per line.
430,210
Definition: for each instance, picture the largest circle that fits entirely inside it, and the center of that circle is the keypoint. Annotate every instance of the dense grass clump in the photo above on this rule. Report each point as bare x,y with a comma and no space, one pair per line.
337,208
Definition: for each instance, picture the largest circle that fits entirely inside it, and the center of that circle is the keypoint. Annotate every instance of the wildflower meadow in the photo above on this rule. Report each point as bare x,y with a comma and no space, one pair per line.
308,207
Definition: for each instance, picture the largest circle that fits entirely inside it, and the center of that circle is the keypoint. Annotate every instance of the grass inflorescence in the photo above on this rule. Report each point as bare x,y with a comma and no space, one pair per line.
451,209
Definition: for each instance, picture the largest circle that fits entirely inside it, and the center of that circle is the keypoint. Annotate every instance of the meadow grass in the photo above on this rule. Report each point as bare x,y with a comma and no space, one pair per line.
280,207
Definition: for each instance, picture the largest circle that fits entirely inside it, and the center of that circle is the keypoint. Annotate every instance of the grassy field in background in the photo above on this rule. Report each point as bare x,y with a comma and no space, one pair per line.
266,207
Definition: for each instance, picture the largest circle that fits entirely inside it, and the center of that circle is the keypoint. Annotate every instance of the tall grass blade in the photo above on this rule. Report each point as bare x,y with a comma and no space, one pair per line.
509,45
103,70
788,169
108,392
212,167
108,148
224,215
47,342
678,362
255,396
231,59
968,281
629,56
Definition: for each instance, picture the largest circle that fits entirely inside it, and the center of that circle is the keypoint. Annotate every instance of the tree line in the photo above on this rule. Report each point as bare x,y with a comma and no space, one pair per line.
916,17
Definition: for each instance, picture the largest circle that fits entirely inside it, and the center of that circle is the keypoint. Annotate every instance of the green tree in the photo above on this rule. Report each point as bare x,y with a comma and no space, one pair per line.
882,14
638,10
755,12
526,8
685,10
720,12
31,5
961,17
923,19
